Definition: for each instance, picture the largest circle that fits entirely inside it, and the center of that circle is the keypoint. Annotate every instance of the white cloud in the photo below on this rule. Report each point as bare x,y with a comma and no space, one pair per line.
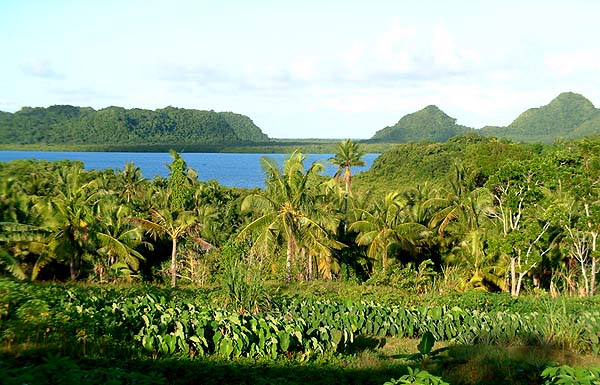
304,68
42,69
573,62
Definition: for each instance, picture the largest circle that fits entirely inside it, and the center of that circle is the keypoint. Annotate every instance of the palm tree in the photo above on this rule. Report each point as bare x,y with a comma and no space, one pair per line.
347,155
460,203
130,181
69,218
386,229
376,229
287,210
117,239
174,224
461,212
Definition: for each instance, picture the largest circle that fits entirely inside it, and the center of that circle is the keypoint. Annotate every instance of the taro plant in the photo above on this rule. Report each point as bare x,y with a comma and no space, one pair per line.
570,376
417,377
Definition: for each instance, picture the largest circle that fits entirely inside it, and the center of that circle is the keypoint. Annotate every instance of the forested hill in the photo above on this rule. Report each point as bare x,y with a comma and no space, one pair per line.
568,116
429,124
69,125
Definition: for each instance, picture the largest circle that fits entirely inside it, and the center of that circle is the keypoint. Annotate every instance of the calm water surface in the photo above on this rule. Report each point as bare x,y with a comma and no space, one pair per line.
233,170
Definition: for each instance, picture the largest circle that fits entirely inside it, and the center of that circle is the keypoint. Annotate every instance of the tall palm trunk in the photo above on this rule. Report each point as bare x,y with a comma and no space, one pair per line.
310,264
348,181
174,263
72,269
291,251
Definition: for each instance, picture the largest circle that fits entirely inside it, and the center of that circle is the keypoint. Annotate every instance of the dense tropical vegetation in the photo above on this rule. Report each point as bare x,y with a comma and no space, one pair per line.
469,243
69,125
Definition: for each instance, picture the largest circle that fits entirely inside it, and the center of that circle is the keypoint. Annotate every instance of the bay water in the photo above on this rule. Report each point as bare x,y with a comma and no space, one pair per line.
232,170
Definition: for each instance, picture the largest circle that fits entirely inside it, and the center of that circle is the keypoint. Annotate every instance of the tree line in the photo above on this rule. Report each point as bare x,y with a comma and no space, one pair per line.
512,223
68,125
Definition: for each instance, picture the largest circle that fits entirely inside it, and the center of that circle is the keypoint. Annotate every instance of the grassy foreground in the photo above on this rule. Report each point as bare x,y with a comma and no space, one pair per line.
93,334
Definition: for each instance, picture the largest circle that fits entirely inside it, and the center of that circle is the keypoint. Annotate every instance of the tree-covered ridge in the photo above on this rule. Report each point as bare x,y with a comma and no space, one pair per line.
568,116
428,124
66,125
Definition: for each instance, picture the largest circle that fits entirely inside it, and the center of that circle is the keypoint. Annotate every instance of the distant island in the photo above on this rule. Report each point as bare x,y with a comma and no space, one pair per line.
568,116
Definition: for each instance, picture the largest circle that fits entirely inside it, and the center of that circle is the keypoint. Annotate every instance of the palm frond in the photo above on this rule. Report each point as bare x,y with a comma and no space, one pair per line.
11,264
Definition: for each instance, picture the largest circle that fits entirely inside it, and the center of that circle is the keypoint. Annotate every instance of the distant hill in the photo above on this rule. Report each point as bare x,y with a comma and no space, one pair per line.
429,124
69,125
568,116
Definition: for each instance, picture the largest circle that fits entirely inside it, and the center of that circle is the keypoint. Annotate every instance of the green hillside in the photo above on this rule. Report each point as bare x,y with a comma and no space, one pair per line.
69,125
429,124
568,116
407,165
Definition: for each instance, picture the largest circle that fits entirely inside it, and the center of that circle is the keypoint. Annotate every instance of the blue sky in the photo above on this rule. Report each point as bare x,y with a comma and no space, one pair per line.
302,69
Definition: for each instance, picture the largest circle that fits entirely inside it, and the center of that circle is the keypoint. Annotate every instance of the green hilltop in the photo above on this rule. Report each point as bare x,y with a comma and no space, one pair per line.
568,116
429,124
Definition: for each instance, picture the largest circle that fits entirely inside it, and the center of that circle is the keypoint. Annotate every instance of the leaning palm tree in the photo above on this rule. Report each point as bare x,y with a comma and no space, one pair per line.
347,155
174,224
286,210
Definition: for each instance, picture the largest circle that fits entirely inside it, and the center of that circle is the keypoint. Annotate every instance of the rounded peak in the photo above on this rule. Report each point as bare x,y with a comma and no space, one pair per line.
432,108
570,98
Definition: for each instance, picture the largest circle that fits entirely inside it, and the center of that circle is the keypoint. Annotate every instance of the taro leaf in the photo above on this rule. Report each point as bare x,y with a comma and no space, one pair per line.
274,351
298,335
148,342
217,337
284,340
171,342
198,342
336,337
426,343
226,347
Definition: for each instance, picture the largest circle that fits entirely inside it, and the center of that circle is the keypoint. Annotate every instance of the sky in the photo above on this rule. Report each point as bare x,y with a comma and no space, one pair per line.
302,69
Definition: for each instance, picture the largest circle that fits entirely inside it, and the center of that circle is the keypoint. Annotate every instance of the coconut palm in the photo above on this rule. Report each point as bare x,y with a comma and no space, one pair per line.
287,210
117,239
376,228
174,224
69,218
387,229
460,203
347,155
130,181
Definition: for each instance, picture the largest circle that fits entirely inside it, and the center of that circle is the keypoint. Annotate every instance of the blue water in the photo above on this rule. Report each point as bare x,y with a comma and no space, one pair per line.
233,170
